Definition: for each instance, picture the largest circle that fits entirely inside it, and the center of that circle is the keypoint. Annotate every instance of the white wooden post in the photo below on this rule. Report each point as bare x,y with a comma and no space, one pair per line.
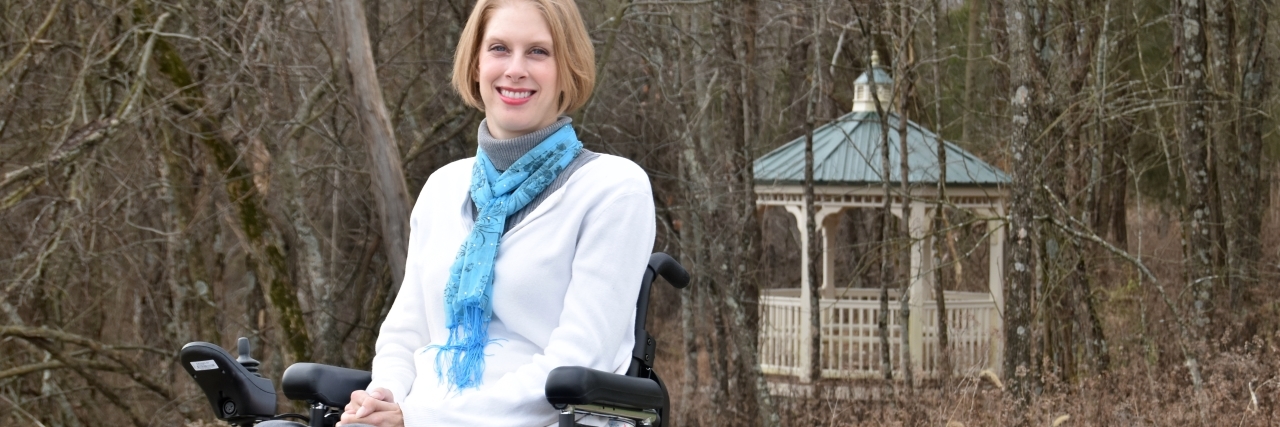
995,281
806,329
830,219
921,281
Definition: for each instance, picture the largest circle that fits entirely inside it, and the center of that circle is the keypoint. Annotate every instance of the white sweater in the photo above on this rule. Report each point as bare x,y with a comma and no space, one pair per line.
564,293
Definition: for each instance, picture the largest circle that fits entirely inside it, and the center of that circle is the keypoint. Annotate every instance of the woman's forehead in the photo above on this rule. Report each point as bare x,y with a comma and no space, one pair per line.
518,21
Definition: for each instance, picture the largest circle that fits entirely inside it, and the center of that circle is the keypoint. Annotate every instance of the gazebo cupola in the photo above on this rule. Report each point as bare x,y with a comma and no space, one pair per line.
874,79
847,158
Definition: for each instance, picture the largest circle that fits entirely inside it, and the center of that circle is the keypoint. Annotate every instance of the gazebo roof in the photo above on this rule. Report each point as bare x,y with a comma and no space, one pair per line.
847,152
882,77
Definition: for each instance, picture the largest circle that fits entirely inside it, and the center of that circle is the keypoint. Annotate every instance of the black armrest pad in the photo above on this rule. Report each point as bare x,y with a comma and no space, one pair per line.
326,384
576,385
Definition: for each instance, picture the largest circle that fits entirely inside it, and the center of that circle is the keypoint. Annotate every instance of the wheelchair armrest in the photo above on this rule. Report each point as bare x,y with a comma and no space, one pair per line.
576,385
235,393
330,385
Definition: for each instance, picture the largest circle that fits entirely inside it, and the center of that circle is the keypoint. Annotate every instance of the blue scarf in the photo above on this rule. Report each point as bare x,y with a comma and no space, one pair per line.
468,297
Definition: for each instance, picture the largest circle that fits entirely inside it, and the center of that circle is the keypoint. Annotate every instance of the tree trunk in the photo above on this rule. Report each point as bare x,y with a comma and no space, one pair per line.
903,87
262,240
972,48
887,253
811,225
939,294
696,320
1221,81
1251,187
174,193
390,191
1194,143
998,31
690,300
744,288
311,266
1024,129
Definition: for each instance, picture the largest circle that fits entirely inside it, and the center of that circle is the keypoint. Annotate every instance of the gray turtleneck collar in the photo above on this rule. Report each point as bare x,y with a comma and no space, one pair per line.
504,152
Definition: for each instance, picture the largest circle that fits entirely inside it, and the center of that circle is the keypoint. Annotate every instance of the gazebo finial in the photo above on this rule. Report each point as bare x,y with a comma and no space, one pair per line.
875,59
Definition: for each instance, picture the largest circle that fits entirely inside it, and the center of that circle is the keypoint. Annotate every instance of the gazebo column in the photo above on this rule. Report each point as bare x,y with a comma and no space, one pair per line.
827,220
830,219
995,281
995,242
806,359
921,280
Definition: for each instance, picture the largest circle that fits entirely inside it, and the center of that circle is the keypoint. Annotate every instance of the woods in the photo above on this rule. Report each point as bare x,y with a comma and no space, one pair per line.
178,170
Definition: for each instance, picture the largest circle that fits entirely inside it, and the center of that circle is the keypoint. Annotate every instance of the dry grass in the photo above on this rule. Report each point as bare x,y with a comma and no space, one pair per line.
1242,390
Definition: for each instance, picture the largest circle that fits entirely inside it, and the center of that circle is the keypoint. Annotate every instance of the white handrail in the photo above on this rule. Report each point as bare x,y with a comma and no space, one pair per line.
851,338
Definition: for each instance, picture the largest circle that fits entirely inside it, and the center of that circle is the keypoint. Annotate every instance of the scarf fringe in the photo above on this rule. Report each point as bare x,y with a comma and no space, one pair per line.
465,350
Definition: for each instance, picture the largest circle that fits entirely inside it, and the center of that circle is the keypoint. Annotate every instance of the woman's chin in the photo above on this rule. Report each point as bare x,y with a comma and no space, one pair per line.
513,126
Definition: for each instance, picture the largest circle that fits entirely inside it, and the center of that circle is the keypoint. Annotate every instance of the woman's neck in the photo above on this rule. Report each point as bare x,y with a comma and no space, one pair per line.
504,152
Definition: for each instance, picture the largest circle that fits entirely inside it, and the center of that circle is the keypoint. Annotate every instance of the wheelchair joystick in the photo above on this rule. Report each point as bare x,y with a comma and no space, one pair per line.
249,363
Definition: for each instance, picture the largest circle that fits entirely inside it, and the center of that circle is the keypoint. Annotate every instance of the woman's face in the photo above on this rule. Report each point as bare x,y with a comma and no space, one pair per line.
517,75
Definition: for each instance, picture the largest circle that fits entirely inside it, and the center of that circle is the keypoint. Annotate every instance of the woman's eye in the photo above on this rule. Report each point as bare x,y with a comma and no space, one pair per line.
497,48
540,51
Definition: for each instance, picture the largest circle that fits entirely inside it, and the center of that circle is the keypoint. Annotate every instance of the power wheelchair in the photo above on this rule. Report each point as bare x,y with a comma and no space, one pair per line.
243,398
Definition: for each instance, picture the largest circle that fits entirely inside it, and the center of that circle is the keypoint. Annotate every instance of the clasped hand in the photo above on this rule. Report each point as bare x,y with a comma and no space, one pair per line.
376,408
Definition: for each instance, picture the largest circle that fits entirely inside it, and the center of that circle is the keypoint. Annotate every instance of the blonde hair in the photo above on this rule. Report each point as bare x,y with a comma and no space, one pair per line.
572,50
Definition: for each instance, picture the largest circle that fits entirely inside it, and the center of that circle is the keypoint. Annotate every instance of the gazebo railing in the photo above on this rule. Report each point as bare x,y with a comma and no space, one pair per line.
851,338
971,326
780,335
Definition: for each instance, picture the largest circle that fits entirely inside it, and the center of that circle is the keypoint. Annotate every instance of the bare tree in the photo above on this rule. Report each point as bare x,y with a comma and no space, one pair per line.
262,240
811,226
1026,122
392,195
1189,40
1250,188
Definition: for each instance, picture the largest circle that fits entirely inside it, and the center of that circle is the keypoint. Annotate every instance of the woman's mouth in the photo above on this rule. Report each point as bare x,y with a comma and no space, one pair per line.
515,96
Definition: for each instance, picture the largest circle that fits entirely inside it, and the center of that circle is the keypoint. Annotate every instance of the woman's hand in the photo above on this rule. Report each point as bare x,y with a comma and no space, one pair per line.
377,408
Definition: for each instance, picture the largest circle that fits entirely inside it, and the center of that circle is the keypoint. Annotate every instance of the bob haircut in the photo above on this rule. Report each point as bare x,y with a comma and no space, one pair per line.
571,48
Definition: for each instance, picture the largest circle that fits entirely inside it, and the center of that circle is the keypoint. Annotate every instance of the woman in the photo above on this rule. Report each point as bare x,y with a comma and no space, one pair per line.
523,259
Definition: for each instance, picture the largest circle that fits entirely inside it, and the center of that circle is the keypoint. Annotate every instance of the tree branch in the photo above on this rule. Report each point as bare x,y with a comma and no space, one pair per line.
93,381
69,150
57,364
39,336
22,54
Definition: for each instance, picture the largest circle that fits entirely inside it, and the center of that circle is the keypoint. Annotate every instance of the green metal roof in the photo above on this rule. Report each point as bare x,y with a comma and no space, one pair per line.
882,77
847,152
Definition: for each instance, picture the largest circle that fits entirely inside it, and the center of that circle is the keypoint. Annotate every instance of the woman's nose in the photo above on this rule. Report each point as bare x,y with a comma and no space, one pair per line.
516,68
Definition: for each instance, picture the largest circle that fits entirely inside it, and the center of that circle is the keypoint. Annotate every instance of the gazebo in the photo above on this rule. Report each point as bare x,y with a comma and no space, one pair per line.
847,159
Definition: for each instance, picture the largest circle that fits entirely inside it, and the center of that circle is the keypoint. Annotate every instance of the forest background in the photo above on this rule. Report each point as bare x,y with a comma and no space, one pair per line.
190,170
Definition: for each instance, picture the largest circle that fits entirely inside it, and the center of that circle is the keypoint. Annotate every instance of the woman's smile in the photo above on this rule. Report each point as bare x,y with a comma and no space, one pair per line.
515,96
